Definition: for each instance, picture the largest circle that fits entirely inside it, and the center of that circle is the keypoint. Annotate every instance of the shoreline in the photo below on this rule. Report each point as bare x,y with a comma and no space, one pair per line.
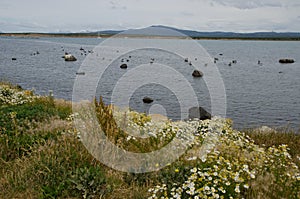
87,35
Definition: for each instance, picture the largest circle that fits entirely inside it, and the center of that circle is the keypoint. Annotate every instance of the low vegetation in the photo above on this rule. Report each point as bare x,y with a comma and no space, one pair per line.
42,155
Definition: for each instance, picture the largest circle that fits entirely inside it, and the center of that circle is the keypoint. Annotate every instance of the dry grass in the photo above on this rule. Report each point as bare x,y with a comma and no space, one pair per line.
56,164
53,125
276,138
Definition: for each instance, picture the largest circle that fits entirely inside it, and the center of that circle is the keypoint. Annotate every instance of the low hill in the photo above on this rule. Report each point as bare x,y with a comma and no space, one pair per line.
163,31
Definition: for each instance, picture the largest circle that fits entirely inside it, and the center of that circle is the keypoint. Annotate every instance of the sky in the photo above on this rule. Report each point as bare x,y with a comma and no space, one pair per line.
200,15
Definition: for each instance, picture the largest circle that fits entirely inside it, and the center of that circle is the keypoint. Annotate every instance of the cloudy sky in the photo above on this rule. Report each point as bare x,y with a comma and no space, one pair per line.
201,15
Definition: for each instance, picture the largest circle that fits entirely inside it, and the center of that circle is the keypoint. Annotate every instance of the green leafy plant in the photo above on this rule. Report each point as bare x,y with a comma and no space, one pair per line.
90,182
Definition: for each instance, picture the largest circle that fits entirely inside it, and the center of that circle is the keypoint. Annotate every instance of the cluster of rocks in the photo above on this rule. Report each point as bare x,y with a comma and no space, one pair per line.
70,57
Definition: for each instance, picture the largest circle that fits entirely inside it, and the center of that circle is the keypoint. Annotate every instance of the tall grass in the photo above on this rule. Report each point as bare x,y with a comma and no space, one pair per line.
42,156
276,137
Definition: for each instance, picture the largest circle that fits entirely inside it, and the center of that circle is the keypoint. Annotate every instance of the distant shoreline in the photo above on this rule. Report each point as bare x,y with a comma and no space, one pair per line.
90,35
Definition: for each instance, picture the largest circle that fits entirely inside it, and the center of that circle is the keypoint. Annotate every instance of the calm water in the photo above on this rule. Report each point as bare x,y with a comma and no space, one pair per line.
256,95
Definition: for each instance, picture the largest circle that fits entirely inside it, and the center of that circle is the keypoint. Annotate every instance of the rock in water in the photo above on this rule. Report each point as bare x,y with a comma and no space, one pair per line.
197,73
147,100
123,66
69,57
199,112
286,61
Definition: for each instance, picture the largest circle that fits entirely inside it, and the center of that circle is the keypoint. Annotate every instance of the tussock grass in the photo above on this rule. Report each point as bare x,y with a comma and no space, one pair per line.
278,137
42,156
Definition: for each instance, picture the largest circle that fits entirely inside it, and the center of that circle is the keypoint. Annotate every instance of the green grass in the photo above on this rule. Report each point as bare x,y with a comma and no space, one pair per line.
20,126
42,157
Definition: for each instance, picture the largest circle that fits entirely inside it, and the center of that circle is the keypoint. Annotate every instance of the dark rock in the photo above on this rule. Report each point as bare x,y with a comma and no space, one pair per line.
13,58
123,66
147,100
186,60
80,73
286,61
19,87
197,73
199,112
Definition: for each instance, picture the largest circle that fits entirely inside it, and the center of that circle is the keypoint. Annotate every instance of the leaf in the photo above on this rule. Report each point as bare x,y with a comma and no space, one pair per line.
80,187
91,183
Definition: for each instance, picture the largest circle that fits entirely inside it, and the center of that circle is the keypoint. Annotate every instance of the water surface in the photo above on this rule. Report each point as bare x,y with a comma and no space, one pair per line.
257,94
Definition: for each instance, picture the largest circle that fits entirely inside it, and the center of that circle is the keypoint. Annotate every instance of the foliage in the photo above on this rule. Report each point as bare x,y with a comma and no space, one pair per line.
276,138
236,168
13,95
41,155
20,117
128,129
89,181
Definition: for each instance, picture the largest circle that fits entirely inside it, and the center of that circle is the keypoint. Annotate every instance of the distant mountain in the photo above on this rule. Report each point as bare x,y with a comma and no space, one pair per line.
219,34
216,34
109,32
159,30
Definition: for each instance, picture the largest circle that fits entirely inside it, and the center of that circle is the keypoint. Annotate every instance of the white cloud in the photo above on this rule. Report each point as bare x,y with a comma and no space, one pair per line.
188,14
203,15
116,5
241,4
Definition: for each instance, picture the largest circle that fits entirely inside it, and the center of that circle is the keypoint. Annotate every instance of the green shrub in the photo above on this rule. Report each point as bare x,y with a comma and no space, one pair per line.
89,181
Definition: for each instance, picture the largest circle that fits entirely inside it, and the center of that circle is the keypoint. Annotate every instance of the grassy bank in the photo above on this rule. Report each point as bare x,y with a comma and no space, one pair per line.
42,155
